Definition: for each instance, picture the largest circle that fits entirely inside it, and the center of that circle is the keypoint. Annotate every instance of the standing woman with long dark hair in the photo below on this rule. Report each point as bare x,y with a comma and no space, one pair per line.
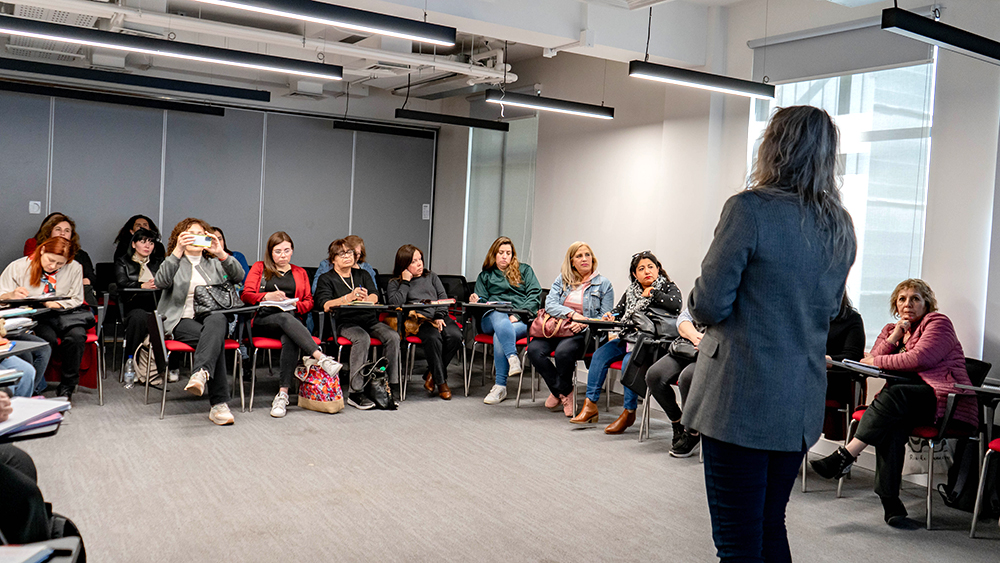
770,284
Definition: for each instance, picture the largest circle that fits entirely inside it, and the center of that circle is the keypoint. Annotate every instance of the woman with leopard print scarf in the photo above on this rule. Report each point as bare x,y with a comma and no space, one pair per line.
651,288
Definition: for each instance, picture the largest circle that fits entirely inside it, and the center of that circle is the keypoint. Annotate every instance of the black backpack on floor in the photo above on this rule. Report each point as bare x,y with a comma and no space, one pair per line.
963,482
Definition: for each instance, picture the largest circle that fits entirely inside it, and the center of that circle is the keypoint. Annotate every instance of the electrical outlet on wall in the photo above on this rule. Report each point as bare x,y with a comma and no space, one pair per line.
425,211
35,207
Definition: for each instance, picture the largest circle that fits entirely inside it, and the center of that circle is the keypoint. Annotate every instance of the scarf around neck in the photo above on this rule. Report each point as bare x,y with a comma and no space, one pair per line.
634,300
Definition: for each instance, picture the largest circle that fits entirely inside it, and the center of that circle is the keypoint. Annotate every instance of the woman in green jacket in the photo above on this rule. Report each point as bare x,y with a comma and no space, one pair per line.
504,279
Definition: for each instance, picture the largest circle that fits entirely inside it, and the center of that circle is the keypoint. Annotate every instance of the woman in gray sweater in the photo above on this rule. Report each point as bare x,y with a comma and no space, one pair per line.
438,332
186,267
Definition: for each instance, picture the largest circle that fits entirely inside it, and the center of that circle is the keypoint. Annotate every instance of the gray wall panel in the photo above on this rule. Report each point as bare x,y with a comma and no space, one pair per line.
24,149
213,167
307,184
393,177
105,168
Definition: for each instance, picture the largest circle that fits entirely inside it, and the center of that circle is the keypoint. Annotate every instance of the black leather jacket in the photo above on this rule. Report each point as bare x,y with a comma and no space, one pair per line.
127,274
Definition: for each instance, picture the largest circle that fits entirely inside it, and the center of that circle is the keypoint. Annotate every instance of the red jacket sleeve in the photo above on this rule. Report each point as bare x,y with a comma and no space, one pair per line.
251,285
937,339
302,290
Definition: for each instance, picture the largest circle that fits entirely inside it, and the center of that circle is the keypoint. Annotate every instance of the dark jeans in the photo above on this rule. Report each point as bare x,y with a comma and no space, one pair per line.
70,351
136,329
24,518
38,358
568,351
747,493
208,339
659,378
295,339
887,423
440,347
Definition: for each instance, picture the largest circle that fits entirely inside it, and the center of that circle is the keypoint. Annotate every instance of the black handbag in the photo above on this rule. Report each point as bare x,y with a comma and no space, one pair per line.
644,354
66,319
218,297
683,349
377,386
655,323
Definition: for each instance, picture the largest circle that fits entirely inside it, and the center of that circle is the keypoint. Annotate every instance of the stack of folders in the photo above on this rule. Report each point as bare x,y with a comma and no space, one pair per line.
17,312
32,414
25,553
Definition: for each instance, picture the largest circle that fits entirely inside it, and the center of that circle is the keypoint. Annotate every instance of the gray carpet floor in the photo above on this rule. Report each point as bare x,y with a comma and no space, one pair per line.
433,481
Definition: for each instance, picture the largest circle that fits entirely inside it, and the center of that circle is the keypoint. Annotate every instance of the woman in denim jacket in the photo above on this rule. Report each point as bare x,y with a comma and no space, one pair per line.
578,292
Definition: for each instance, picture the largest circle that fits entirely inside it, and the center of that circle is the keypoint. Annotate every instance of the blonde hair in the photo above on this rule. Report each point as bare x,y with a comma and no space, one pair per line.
570,277
513,271
921,287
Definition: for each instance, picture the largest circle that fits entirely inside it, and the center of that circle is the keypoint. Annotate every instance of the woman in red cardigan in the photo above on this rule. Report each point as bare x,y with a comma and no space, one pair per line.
277,279
922,341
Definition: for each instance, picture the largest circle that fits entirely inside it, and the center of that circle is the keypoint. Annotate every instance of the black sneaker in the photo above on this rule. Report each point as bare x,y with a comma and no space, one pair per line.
895,512
686,445
835,465
678,432
359,401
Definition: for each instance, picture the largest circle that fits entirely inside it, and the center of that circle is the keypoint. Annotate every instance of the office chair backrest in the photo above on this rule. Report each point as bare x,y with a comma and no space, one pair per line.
105,272
978,370
157,340
455,286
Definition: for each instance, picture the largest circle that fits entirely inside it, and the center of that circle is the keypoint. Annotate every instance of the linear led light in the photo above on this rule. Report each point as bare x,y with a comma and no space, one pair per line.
703,80
923,29
160,47
549,104
452,119
346,18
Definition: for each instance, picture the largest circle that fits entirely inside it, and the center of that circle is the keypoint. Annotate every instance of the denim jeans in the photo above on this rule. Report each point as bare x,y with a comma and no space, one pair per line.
26,385
39,359
747,493
606,355
505,337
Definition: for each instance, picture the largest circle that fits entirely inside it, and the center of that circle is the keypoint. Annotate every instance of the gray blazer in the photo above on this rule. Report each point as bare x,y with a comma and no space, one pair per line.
174,277
767,292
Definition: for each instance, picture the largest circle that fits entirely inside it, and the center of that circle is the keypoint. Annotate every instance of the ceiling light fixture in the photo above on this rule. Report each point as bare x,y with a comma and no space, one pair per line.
346,18
549,104
160,47
452,119
696,79
923,29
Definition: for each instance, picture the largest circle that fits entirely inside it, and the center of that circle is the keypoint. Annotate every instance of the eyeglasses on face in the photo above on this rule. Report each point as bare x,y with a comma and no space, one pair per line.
345,253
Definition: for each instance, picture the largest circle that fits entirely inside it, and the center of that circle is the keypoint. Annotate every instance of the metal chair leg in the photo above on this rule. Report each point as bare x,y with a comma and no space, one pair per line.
465,380
805,459
149,368
253,378
979,494
851,428
101,373
930,482
238,368
644,423
163,381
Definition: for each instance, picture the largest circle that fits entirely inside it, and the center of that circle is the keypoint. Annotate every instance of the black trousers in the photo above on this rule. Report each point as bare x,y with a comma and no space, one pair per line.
208,338
684,381
568,351
440,347
295,339
887,423
136,329
24,518
659,377
70,352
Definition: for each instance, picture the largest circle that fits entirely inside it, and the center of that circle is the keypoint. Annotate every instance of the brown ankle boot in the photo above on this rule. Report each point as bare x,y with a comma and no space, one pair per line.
429,383
444,392
626,419
587,414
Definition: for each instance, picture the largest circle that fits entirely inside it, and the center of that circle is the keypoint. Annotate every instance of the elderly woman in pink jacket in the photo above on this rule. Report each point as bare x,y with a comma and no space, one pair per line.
922,341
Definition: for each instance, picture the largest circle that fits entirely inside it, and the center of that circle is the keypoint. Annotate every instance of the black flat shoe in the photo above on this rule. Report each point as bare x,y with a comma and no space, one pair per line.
895,512
835,465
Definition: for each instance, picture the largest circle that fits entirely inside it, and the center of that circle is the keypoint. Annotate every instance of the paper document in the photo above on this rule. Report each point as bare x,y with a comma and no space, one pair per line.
14,324
28,410
17,312
285,305
24,553
858,367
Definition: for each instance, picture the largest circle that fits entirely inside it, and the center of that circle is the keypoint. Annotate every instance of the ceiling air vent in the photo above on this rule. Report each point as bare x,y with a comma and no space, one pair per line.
44,49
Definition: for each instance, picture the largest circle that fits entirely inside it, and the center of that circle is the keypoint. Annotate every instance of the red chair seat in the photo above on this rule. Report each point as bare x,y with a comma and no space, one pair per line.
616,365
91,338
266,343
484,338
231,345
857,414
926,432
522,342
414,340
341,341
995,445
376,342
316,340
177,346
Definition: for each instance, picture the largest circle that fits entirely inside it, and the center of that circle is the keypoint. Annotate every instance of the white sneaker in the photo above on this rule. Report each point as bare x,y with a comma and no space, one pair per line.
329,365
173,375
497,394
279,405
220,415
515,365
196,385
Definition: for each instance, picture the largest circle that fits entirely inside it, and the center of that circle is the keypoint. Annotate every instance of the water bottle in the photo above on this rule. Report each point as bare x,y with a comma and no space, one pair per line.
129,375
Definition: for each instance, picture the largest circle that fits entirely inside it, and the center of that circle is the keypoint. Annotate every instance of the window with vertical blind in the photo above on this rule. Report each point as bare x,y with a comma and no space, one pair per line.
885,120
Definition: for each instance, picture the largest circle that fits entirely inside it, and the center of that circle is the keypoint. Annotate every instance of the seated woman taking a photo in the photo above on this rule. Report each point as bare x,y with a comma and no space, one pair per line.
578,292
924,343
341,286
651,291
188,266
276,279
136,269
51,271
439,334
